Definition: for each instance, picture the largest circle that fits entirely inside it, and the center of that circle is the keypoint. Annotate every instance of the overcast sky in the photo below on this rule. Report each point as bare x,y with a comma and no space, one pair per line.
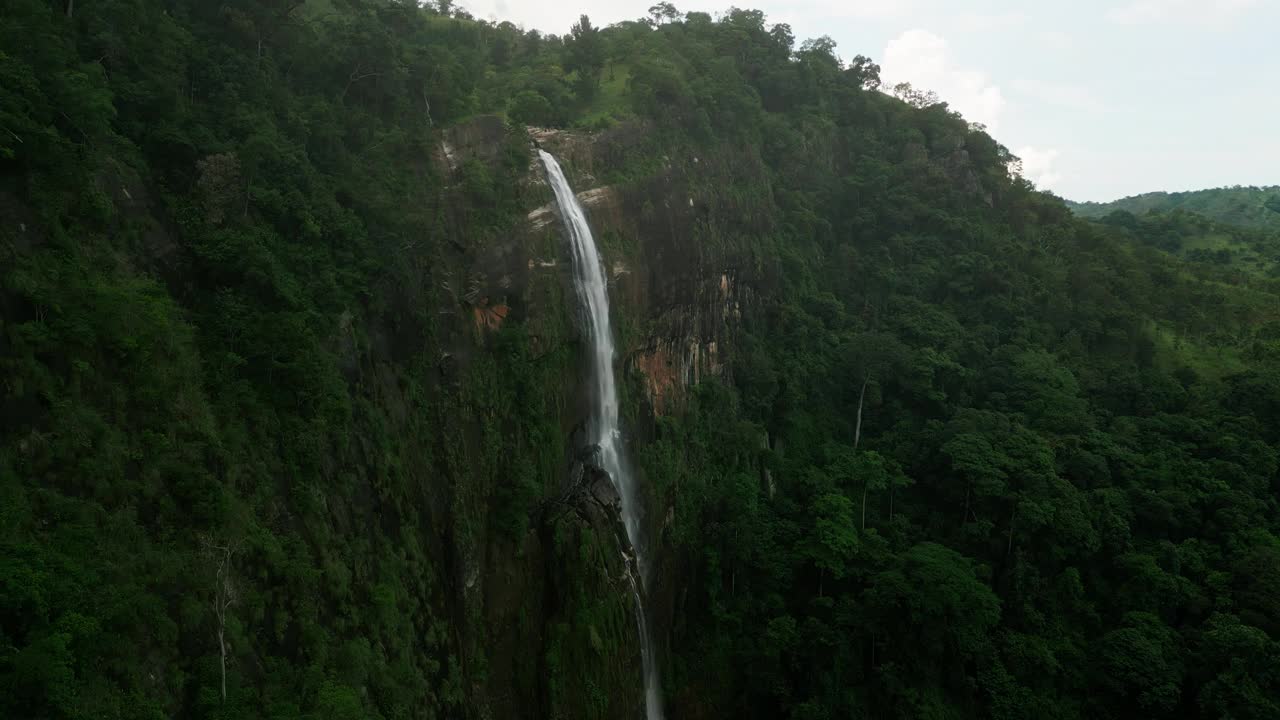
1100,98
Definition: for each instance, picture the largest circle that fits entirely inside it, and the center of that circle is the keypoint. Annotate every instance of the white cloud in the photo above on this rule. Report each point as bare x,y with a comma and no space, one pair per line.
1140,12
1069,97
1038,165
923,59
1055,40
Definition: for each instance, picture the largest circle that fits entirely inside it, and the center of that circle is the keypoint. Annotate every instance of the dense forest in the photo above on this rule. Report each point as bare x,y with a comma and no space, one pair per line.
1235,228
1240,249
965,455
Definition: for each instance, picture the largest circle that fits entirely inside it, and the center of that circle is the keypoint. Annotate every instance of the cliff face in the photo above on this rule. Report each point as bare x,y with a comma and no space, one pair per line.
678,301
410,469
548,614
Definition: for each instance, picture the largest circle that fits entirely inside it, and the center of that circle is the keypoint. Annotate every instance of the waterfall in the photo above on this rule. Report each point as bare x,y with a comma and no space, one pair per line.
603,428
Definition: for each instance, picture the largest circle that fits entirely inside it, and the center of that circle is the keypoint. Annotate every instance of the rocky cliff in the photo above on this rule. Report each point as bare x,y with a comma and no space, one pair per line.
548,613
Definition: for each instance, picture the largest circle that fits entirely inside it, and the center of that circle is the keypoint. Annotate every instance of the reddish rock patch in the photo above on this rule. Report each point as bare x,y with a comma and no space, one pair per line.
661,377
490,317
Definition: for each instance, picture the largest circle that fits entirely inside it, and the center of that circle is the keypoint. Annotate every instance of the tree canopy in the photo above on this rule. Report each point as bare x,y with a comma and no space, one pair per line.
968,455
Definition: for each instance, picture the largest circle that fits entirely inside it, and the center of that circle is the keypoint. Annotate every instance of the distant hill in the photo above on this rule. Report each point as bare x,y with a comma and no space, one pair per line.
1197,238
1251,207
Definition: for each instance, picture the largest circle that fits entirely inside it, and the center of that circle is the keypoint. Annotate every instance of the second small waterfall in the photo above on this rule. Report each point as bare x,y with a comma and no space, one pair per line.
603,427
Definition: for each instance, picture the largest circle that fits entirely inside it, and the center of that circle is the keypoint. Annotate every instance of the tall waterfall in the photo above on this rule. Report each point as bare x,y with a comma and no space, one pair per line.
603,429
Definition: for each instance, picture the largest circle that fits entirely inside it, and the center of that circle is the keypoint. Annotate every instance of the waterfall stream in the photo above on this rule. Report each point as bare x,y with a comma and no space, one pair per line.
603,429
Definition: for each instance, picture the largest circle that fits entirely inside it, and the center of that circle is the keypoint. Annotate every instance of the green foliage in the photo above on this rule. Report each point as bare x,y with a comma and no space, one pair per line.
218,330
1223,250
973,457
585,57
530,108
973,461
1250,207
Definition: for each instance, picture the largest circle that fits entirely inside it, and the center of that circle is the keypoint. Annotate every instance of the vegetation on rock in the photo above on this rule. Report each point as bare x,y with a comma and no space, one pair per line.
969,456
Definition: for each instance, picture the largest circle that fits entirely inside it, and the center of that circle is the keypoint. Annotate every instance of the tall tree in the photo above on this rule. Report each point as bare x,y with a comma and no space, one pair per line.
585,55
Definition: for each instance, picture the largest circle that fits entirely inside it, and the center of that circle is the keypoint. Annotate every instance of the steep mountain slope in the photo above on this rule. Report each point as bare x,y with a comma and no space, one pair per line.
292,398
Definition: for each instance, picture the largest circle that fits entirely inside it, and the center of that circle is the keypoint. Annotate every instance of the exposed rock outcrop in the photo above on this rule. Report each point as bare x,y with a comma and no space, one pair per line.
683,301
677,303
482,138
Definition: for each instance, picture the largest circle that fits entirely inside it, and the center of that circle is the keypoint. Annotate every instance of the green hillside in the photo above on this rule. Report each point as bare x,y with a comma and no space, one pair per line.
292,385
1197,239
1249,207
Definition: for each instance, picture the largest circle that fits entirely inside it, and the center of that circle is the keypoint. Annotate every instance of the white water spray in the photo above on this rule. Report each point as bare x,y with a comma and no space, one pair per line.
592,289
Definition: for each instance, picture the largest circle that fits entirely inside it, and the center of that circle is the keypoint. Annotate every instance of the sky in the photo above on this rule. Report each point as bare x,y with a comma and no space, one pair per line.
1100,99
